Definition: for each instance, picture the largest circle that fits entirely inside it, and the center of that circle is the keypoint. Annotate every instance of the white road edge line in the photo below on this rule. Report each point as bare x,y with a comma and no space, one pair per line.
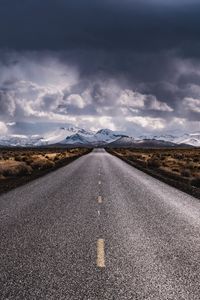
100,253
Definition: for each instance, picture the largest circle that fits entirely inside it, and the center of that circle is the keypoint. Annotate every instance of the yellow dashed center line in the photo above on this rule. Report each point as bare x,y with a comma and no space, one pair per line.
99,199
100,253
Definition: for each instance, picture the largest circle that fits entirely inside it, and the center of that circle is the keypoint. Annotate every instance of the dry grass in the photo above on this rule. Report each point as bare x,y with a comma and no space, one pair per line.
180,164
11,168
22,162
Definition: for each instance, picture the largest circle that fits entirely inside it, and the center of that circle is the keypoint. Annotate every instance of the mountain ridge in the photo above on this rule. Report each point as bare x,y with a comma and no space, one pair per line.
73,136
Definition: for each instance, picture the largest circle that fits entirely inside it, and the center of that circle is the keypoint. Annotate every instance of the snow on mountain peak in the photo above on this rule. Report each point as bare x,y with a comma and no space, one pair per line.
192,139
105,131
73,135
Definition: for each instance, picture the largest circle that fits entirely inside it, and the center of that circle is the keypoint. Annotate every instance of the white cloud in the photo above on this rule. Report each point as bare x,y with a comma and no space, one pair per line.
154,104
33,85
95,123
44,70
147,122
192,104
3,128
136,100
132,99
7,103
76,100
44,89
11,123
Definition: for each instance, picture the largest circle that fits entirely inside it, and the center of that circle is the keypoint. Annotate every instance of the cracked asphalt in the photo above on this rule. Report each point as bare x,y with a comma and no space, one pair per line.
148,235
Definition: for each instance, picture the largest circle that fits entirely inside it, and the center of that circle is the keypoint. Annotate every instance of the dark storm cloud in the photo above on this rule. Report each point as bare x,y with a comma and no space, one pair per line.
133,39
132,25
134,58
108,36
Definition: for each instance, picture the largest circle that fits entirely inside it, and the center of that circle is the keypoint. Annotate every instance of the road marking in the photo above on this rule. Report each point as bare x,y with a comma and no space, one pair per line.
100,253
99,199
98,212
99,182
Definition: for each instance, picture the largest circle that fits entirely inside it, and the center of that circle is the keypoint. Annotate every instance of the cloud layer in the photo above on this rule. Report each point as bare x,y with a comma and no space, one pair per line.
126,65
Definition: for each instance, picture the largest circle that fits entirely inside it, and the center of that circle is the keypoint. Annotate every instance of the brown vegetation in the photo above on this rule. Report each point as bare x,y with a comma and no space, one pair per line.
180,165
19,165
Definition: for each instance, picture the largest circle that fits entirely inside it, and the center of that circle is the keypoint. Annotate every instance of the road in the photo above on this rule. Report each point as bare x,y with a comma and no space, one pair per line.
99,229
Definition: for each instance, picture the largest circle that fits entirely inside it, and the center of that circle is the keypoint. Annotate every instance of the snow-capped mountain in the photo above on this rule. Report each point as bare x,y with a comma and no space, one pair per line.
192,139
53,137
101,137
77,139
62,135
124,142
21,141
108,135
70,135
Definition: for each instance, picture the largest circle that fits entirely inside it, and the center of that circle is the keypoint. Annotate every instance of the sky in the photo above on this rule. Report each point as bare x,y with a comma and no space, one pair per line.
131,65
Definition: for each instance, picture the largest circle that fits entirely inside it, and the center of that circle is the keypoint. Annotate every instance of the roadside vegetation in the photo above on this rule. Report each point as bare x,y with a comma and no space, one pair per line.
179,167
20,165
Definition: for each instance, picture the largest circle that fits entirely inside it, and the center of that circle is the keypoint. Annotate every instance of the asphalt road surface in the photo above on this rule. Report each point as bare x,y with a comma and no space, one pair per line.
99,229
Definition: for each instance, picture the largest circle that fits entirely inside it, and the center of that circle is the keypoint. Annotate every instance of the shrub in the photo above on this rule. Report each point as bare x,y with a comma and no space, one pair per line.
162,158
57,157
196,159
13,170
153,163
138,156
190,165
18,158
42,164
196,182
175,170
185,173
6,157
29,161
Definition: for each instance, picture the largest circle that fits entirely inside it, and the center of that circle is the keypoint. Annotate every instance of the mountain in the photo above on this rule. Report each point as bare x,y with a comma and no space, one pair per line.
68,136
61,134
77,139
73,136
192,139
123,142
52,137
130,142
100,138
21,141
108,135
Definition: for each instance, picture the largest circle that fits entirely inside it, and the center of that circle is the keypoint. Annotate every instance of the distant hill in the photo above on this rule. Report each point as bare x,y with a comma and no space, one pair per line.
145,143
